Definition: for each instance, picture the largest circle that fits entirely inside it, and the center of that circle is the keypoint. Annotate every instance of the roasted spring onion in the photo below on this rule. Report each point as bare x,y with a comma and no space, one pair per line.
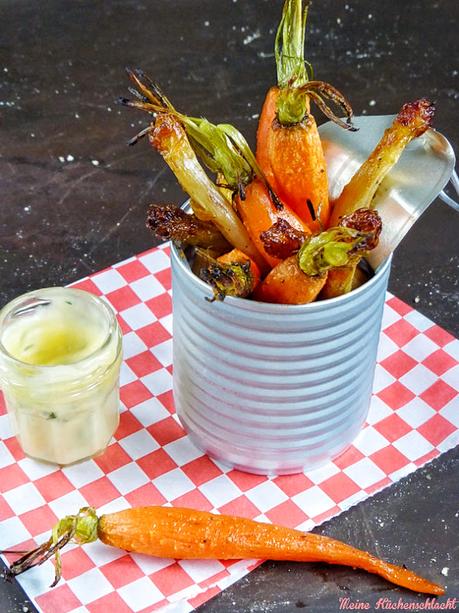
413,120
169,138
343,279
231,274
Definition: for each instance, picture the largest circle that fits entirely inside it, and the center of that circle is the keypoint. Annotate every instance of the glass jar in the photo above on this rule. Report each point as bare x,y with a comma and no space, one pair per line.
60,358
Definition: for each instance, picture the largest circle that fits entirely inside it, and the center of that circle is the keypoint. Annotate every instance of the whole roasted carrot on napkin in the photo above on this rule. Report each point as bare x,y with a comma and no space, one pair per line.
189,534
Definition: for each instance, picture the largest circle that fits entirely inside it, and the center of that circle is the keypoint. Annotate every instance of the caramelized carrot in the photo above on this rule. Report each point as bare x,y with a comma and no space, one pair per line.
360,277
343,279
289,150
267,116
188,534
298,165
259,213
339,281
288,284
300,277
292,159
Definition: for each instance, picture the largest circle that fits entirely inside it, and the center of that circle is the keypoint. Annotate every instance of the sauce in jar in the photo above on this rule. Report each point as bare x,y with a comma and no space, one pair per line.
60,357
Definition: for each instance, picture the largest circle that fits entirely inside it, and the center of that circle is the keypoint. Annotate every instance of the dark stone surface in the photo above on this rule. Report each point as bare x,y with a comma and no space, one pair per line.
74,196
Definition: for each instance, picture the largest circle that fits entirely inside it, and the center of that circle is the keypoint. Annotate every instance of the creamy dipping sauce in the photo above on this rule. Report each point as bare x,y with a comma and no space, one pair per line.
60,356
55,333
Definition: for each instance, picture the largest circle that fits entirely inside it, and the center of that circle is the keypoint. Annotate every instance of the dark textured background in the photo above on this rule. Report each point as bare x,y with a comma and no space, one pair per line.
73,196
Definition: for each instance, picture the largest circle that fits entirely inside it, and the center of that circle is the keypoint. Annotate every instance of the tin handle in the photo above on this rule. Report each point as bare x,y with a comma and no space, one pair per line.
444,196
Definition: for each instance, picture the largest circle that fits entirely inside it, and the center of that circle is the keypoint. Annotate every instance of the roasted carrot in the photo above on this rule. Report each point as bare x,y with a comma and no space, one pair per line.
339,281
360,277
189,534
300,277
286,283
255,200
267,117
296,165
343,279
289,150
413,120
259,213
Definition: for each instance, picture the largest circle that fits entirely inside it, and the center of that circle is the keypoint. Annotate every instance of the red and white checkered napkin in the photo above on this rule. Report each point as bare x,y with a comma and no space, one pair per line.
414,417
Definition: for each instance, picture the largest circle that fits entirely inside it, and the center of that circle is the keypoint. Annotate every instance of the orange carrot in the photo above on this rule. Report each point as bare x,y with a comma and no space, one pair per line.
300,277
288,284
259,213
298,163
289,150
188,534
267,116
339,281
293,161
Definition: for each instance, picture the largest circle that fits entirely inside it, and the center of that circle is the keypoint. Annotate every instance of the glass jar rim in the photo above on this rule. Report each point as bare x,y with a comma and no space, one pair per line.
113,327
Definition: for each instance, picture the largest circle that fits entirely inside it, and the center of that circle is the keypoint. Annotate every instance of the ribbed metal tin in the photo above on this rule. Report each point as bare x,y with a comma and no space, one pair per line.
273,389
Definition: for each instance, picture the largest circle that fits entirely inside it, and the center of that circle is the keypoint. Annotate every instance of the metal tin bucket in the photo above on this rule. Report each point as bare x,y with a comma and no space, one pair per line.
273,389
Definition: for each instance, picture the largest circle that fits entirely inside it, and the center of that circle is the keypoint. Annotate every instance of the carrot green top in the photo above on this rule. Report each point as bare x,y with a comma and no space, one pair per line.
292,72
222,148
338,246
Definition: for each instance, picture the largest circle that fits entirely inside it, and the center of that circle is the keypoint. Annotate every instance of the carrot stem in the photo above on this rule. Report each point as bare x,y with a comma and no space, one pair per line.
289,45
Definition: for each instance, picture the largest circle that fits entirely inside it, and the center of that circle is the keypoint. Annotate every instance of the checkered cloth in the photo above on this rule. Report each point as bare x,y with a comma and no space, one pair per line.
413,418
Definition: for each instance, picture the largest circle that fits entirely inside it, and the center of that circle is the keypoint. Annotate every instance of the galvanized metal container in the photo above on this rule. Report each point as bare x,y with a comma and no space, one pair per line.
273,389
